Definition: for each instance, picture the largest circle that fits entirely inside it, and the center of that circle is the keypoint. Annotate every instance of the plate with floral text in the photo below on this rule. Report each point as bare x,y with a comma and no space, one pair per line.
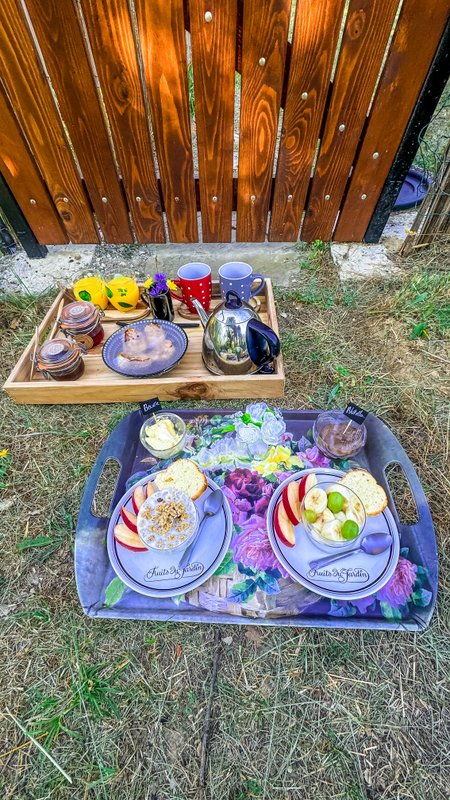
158,574
351,578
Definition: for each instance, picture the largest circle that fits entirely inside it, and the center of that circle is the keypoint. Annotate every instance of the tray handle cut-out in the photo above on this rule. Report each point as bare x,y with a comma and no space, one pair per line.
91,558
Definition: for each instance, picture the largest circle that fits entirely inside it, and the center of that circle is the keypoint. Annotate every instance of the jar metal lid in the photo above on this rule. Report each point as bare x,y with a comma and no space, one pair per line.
57,353
80,314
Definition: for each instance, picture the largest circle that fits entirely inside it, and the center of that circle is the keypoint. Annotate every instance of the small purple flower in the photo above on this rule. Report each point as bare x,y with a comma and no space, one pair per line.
399,588
160,277
252,547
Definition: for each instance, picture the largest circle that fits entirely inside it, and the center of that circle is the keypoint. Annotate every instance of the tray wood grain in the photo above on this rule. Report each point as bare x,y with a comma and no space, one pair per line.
189,380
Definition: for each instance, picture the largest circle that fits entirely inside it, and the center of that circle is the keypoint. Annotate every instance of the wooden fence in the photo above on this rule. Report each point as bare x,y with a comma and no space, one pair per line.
277,119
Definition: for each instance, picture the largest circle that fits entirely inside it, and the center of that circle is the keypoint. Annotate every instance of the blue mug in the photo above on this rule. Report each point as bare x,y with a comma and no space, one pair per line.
238,277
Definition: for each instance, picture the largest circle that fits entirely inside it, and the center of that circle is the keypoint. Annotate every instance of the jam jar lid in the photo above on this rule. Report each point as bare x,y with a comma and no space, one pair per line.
78,315
57,353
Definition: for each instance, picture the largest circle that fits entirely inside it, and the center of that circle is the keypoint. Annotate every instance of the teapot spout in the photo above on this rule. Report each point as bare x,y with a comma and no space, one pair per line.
204,317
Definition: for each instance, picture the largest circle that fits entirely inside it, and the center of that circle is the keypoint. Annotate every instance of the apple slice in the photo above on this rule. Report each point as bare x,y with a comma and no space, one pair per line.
129,519
150,489
291,502
128,539
305,484
283,526
137,498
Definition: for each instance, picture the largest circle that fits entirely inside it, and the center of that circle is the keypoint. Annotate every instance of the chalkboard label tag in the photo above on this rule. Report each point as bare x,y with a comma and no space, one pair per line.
355,413
150,406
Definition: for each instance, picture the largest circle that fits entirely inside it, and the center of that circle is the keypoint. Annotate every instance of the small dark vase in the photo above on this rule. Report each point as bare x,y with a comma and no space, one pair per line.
161,305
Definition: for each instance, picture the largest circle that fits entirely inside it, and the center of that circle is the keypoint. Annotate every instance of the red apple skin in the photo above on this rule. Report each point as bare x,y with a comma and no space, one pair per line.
283,526
309,479
291,502
137,498
129,519
150,489
127,539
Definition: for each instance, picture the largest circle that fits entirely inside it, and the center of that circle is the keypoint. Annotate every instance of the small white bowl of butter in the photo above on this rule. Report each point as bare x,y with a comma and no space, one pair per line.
163,434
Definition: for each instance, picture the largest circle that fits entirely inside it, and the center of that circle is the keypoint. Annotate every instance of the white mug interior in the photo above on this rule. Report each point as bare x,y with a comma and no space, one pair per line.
193,271
235,270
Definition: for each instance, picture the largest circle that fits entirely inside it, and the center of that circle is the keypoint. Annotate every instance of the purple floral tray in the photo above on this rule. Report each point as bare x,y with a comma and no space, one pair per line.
251,587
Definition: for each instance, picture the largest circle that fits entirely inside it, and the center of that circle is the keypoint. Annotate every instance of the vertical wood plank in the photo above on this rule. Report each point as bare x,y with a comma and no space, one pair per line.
213,58
409,59
367,29
264,43
163,43
110,33
33,105
23,178
62,44
315,36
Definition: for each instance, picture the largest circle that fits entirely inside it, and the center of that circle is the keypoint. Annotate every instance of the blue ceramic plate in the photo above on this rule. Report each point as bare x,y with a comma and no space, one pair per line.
357,576
157,574
161,348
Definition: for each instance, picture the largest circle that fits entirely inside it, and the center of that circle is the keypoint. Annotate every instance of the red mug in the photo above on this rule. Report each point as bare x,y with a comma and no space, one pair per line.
194,280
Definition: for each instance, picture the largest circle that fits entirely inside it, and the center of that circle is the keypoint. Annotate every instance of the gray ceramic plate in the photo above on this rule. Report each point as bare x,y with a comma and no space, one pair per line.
157,575
114,346
351,578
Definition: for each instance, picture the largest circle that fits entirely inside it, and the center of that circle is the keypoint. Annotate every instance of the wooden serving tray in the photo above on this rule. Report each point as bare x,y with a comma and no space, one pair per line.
189,380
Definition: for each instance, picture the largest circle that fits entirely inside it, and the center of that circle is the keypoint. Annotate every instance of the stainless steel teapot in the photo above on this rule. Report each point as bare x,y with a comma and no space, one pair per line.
236,341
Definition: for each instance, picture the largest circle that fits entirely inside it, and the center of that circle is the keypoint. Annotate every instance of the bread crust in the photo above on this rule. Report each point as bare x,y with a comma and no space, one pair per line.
202,479
351,480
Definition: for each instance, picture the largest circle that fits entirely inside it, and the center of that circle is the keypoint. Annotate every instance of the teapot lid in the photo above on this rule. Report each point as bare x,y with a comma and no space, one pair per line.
236,309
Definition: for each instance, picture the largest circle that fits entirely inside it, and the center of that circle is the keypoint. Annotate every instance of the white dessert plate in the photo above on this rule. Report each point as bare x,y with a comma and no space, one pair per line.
356,576
157,574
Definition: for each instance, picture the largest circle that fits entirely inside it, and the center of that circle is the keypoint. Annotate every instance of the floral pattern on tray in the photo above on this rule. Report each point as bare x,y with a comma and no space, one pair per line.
248,454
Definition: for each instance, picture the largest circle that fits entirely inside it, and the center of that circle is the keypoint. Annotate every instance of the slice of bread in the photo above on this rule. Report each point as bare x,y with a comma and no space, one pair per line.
371,494
185,475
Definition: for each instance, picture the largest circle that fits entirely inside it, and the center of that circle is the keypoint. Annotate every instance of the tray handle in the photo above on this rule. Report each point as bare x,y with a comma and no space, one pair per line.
91,558
383,451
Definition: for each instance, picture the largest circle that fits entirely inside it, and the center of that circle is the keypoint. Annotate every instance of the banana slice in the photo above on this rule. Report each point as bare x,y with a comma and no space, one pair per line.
353,517
356,509
332,530
316,500
325,516
341,517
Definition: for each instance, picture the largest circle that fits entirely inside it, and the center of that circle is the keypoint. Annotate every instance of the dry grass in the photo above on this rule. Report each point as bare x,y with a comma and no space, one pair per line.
296,713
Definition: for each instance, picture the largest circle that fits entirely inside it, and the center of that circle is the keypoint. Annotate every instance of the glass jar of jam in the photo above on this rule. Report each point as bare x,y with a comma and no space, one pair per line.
60,359
81,321
337,436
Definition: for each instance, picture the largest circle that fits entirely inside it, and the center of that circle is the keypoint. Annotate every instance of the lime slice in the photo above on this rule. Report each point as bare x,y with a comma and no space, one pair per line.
350,529
336,502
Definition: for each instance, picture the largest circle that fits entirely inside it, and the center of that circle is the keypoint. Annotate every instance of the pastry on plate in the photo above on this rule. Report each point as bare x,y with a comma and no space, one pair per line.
185,475
148,344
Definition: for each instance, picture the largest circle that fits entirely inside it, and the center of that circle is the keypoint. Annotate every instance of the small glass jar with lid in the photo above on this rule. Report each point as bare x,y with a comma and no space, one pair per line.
60,359
337,436
81,321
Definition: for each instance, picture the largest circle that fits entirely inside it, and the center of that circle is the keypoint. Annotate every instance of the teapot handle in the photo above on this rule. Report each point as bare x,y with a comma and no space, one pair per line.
263,344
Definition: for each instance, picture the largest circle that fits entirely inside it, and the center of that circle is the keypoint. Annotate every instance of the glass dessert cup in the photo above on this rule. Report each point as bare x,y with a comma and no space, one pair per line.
150,440
167,521
330,522
337,436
